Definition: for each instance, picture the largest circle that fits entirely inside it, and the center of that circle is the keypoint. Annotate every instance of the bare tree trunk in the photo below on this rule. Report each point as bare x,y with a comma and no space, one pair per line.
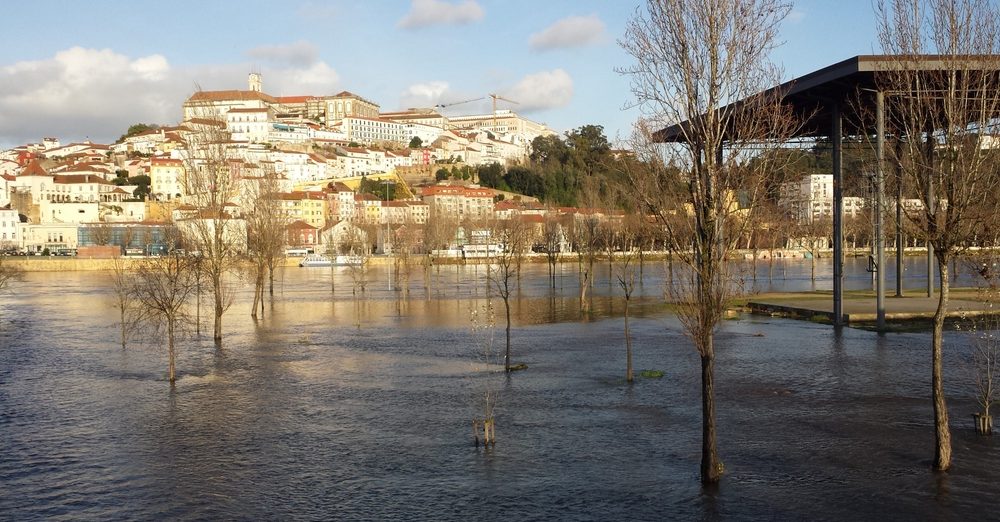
506,355
942,433
170,350
629,376
711,466
219,309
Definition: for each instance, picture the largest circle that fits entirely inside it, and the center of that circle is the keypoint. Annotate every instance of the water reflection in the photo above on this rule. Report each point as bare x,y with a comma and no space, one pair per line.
336,407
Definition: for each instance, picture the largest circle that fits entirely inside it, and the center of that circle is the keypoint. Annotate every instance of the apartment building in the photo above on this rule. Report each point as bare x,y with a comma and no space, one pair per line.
458,202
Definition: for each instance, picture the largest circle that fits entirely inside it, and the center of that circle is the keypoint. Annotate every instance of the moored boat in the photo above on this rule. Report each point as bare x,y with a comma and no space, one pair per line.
321,260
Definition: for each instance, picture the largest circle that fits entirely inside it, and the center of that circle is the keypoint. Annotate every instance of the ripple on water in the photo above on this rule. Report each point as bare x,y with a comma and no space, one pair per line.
306,414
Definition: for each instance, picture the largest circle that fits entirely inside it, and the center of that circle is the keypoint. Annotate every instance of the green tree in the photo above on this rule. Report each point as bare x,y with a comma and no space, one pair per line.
416,142
137,128
142,182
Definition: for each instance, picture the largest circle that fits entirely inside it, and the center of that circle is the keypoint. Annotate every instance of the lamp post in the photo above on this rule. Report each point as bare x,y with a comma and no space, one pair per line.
385,242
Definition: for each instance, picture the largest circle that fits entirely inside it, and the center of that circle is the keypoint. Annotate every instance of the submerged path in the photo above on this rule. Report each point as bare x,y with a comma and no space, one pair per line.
859,306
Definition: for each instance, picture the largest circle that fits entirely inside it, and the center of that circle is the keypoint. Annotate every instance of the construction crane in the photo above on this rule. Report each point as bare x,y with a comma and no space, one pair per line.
444,105
495,98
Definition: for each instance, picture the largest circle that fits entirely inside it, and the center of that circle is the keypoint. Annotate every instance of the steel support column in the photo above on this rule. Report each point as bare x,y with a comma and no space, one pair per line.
879,211
838,215
929,172
899,221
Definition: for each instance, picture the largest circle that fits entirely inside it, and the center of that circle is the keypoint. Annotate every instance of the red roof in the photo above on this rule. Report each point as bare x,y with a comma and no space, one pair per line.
34,169
457,190
301,225
299,195
81,178
295,99
211,96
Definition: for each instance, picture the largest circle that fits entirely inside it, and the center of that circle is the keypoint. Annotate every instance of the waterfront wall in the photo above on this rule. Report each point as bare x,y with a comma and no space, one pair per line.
77,264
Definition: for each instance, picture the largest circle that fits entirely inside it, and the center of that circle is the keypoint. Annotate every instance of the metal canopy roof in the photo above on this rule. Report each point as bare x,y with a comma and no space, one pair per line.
813,96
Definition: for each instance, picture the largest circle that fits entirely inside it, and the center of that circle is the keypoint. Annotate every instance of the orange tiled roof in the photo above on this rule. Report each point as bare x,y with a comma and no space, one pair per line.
34,169
213,96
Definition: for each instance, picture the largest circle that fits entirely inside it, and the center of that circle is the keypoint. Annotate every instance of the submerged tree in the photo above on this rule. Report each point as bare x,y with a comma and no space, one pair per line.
487,393
944,115
163,288
212,184
130,314
266,225
626,276
693,60
509,235
8,272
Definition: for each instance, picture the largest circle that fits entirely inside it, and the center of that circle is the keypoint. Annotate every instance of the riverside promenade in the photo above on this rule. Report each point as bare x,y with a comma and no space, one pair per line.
859,306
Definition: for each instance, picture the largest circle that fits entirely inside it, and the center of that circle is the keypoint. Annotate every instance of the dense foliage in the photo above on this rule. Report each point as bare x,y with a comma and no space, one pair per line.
136,128
565,170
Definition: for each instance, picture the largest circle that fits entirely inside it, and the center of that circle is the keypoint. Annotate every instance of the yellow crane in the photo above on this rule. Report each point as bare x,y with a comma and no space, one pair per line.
496,97
444,105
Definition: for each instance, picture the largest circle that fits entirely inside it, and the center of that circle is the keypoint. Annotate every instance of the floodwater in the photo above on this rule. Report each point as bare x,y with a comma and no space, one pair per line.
347,409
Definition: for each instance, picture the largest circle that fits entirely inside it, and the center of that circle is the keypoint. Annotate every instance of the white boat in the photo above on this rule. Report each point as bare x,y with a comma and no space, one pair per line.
321,260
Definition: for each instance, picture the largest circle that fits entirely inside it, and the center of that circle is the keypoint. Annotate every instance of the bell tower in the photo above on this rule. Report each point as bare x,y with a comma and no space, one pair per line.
255,82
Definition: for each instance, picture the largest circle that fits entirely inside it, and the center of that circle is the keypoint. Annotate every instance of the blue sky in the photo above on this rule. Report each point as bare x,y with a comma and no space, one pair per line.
79,70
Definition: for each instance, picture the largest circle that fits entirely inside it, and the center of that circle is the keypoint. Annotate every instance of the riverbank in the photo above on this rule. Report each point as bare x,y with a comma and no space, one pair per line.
74,264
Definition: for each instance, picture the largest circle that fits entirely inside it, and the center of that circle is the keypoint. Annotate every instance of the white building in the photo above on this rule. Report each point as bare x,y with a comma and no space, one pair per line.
36,237
368,131
810,198
249,124
9,229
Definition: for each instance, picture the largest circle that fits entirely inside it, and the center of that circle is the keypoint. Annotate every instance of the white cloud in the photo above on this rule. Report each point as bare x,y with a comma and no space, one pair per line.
317,79
795,16
574,31
425,13
426,94
542,90
98,93
300,53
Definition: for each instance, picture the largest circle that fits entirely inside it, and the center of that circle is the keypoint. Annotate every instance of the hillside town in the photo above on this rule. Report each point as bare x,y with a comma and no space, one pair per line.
317,149
336,166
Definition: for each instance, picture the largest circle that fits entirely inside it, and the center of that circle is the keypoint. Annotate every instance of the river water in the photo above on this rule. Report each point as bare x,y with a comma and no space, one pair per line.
348,409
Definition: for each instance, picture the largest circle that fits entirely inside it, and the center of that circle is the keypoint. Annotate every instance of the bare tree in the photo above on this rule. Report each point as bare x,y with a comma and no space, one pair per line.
625,273
163,288
8,272
358,245
942,117
694,59
552,235
587,231
212,184
487,394
986,364
130,315
100,233
811,236
266,225
406,243
510,235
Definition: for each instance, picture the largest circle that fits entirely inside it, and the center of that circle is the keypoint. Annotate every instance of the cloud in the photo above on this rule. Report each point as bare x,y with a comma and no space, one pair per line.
795,16
574,31
424,13
317,79
98,93
426,94
542,90
300,54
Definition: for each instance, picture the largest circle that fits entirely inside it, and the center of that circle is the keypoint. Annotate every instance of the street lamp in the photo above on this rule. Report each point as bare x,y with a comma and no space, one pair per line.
385,242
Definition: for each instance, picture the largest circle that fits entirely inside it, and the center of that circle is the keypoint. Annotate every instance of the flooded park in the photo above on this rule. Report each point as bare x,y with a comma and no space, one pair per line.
333,406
